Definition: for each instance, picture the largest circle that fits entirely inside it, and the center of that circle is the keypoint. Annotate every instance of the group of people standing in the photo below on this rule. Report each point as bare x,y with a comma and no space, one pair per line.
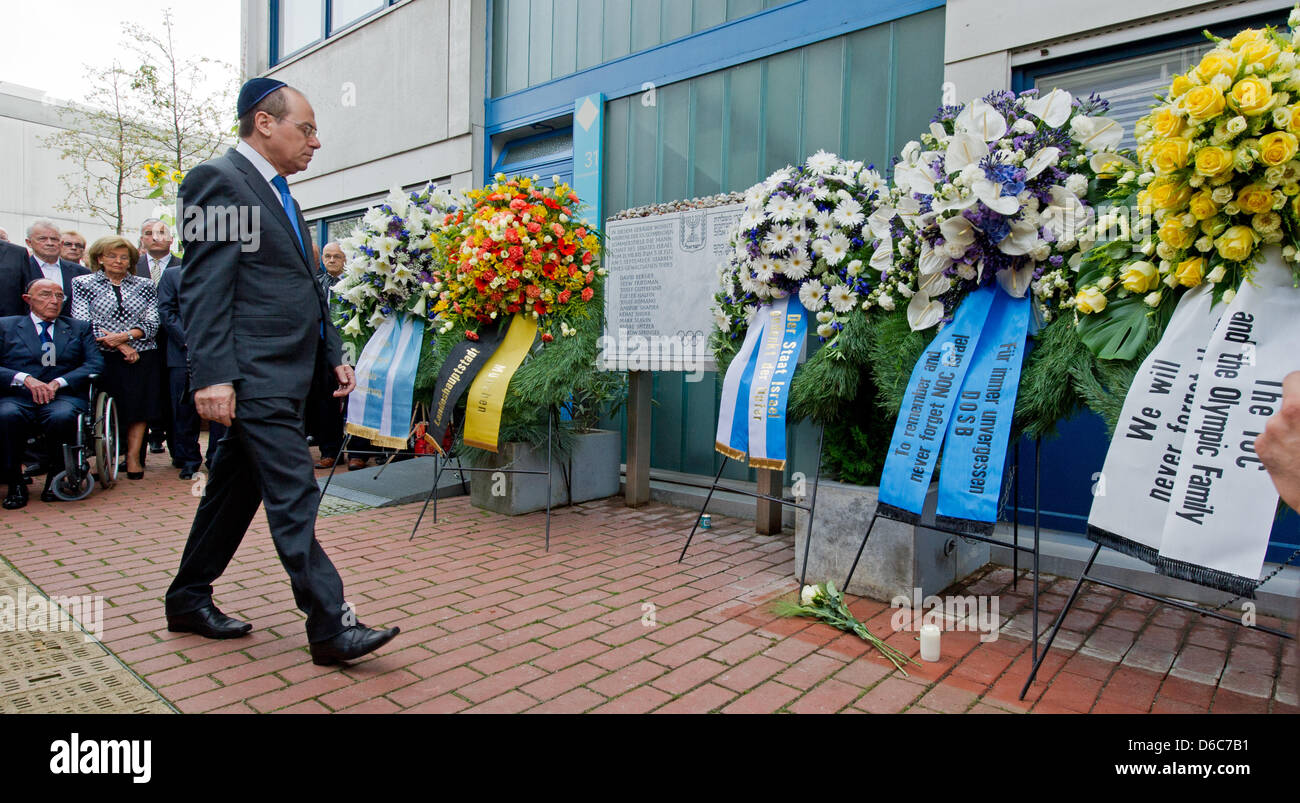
130,297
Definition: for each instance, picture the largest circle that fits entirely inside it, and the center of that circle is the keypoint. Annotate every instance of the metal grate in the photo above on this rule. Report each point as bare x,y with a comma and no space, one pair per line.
62,672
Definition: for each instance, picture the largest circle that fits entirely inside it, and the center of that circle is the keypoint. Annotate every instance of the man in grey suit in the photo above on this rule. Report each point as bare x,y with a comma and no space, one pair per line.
257,327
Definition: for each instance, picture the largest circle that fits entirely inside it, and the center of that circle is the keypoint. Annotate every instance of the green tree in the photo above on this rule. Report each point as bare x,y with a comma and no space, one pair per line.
107,146
186,120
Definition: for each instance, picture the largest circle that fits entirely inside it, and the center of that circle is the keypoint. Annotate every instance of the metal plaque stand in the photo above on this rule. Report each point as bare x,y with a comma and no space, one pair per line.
810,507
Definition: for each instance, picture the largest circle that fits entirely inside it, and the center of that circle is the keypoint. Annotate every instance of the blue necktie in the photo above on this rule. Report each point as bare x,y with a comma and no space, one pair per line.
289,209
46,337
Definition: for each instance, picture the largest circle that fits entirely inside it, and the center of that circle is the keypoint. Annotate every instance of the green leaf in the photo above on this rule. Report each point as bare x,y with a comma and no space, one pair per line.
1118,333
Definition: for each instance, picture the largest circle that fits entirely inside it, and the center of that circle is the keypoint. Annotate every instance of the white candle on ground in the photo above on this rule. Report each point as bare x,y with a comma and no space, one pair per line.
930,642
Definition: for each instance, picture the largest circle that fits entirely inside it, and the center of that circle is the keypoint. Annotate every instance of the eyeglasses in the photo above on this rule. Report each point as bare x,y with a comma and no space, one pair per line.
77,246
308,130
115,258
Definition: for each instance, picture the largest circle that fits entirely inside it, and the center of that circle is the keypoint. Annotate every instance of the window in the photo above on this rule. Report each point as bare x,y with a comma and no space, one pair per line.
1129,85
535,41
345,12
341,227
299,24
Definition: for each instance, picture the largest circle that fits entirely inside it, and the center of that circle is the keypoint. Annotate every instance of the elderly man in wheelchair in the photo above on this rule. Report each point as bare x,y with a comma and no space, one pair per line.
46,365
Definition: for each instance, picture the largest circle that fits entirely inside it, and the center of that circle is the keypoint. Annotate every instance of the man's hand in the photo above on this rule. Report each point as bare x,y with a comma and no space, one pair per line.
347,380
128,353
114,339
216,403
42,392
1279,446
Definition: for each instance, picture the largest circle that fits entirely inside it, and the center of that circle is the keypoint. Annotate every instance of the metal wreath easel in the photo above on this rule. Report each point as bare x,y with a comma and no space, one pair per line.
1015,546
1085,577
810,507
442,465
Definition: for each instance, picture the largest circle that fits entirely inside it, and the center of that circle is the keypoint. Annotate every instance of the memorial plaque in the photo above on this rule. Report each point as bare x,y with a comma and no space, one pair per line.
663,272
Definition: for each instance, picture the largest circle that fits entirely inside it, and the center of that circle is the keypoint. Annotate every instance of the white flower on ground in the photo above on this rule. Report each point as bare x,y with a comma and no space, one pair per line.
807,595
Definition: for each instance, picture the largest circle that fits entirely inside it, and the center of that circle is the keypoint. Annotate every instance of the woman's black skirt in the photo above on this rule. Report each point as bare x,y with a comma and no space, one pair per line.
136,388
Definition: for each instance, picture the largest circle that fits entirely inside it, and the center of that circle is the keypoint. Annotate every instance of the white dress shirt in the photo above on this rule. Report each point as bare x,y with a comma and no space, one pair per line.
20,377
52,271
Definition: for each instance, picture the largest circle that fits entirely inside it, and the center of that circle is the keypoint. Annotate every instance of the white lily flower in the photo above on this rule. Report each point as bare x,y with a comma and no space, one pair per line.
932,261
1022,239
1016,282
983,120
923,313
1054,108
964,149
1041,161
1097,133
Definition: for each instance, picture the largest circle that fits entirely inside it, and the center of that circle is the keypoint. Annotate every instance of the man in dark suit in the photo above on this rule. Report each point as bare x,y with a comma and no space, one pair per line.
13,276
45,366
155,257
185,428
45,263
257,328
155,250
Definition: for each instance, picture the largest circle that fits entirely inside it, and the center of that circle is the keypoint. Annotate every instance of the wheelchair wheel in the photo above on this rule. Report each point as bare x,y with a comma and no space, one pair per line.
106,451
69,488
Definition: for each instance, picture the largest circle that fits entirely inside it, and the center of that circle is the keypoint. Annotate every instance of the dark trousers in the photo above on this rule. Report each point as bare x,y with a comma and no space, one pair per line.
263,459
21,419
186,423
325,420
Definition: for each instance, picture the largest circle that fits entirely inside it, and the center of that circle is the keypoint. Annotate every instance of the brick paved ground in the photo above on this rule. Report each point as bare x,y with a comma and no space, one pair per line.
492,622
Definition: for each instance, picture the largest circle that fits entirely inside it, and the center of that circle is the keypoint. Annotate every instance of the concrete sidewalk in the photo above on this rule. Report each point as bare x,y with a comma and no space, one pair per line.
606,621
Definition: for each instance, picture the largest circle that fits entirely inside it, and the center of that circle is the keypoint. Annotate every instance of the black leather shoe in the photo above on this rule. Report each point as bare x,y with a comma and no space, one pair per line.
47,495
156,448
187,472
209,623
17,497
351,644
135,475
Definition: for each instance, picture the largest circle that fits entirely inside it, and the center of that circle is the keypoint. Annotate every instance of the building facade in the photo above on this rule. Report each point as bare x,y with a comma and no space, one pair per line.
32,184
645,101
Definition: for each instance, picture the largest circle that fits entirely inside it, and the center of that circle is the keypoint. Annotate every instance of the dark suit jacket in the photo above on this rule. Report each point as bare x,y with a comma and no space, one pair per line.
13,275
76,355
169,315
70,271
254,318
142,265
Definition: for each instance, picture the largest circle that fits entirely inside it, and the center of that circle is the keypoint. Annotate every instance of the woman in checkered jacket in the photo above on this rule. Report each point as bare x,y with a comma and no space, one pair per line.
123,309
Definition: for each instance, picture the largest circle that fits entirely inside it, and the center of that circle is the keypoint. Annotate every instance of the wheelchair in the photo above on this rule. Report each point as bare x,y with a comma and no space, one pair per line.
97,437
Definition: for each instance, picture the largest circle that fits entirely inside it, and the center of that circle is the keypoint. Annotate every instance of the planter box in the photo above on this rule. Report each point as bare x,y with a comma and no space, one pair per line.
898,557
593,469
